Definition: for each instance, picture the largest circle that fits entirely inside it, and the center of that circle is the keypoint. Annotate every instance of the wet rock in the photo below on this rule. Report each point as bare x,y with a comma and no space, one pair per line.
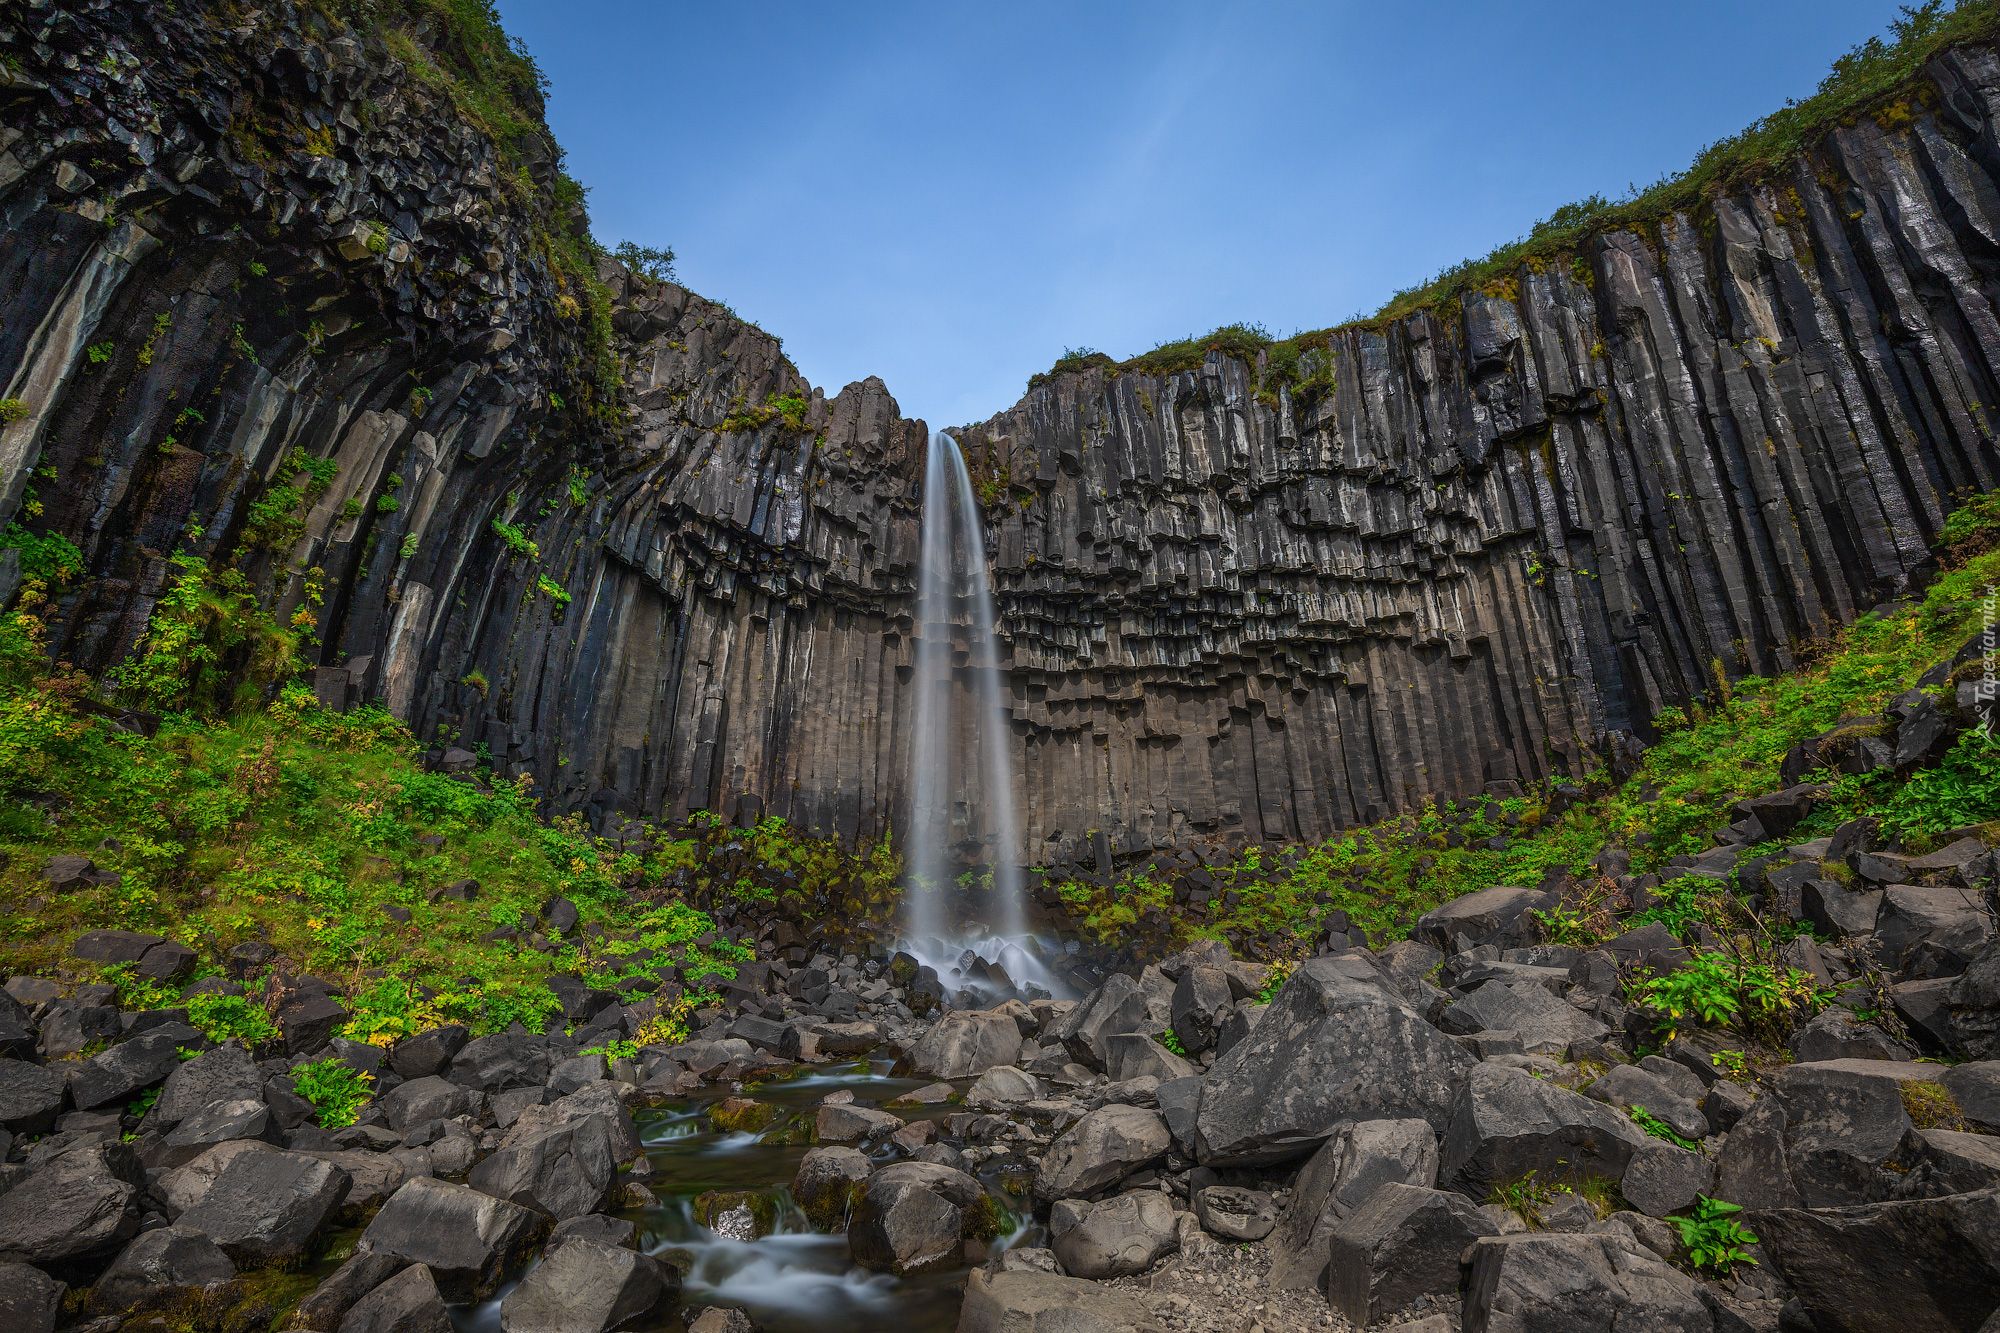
1201,1000
1342,1176
157,1265
561,1172
825,1184
1031,1302
83,1204
588,1287
469,1240
962,1044
1507,1123
1843,1120
1662,1179
852,1124
31,1097
507,1060
409,1302
736,1214
1128,1234
372,1177
1923,1265
906,1222
1102,1149
1332,1048
327,1303
30,1300
1403,1243
1233,1213
266,1207
1580,1284
1002,1086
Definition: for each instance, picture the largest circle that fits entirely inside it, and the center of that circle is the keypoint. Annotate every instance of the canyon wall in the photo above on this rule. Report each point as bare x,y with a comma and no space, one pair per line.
1459,548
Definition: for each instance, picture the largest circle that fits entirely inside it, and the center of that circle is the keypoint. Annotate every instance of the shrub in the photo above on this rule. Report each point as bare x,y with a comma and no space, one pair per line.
517,540
52,558
1713,1236
11,410
220,1017
337,1091
649,263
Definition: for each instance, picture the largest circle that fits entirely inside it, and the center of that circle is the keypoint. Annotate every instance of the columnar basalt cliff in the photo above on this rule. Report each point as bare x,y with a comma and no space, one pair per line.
1457,548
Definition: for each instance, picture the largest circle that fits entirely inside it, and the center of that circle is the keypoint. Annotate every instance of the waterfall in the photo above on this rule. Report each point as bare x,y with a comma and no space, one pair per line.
961,789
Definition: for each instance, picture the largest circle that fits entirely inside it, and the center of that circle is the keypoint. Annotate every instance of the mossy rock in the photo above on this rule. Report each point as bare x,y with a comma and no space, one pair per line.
737,1214
986,1219
740,1115
1931,1106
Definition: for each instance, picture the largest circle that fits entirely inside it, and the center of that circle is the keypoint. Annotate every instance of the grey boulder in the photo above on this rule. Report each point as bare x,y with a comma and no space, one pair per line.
589,1287
114,1075
1921,1266
31,1097
469,1240
425,1099
1102,1149
1403,1243
409,1302
30,1300
964,1043
266,1207
1843,1120
1025,1301
1342,1176
1507,1123
158,1265
1234,1213
1662,1179
561,1172
1118,1006
1201,1000
1119,1236
1593,1283
1336,1045
219,1122
911,1218
825,1181
1525,1008
1628,1086
1135,1055
225,1074
82,1204
1501,916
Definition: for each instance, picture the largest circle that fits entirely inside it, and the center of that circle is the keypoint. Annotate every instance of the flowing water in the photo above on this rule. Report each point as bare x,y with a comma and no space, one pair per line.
794,1280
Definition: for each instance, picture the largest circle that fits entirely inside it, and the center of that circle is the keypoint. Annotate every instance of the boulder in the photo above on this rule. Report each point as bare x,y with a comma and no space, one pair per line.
409,1302
599,1227
1403,1243
1780,811
1627,1086
1501,916
1234,1213
1836,1034
1527,1009
427,1053
589,1287
156,1266
1919,1266
326,1304
372,1176
307,1023
1119,1005
1025,1301
1003,1085
1843,1120
1976,1088
266,1207
68,1027
1507,1123
1662,1179
424,1099
1179,1101
30,1300
1839,912
508,1060
1102,1149
1124,1235
562,1172
1937,1162
115,1075
1974,999
825,1182
846,1123
82,1204
1334,1047
1543,1283
219,1122
1342,1176
1649,948
1201,1000
113,946
1135,1055
31,1097
469,1240
181,1188
1926,930
964,1043
912,1217
225,1074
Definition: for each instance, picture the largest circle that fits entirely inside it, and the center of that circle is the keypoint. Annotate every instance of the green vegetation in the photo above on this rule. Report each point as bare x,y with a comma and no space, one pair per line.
649,263
337,1091
517,540
220,1017
1931,1106
11,410
48,558
1660,1129
1713,1236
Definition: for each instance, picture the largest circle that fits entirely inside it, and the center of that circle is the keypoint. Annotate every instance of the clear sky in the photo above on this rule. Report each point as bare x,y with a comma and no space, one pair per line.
948,196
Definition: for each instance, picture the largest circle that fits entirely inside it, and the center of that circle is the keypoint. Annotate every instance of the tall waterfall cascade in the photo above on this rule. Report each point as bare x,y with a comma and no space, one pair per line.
961,783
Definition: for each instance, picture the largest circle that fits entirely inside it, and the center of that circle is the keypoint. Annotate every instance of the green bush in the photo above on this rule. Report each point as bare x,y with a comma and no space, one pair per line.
51,557
337,1091
220,1017
1713,1236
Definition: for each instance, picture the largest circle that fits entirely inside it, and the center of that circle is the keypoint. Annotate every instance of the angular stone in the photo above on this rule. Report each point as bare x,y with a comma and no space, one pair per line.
115,1075
1975,1086
1134,1055
964,1043
1931,930
1115,1007
1403,1243
1331,1049
225,1074
1201,1000
266,1207
1541,1283
1843,1119
825,1184
469,1240
1506,1124
1102,1149
1032,1302
1837,1034
507,1060
1937,1162
1000,1086
1752,1169
1662,1179
1541,1021
83,1204
1922,1266
563,1172
308,1023
1128,1234
1342,1176
219,1122
31,1097
157,1265
427,1053
1233,1213
852,1124
1501,916
911,1218
30,1300
425,1099
1626,1086
409,1302
113,946
589,1287
1838,912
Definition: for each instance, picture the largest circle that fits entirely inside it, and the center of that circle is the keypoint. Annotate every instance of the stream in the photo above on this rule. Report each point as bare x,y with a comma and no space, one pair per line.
794,1280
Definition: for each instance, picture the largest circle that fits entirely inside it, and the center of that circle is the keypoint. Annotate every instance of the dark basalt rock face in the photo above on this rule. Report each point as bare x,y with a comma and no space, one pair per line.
1456,549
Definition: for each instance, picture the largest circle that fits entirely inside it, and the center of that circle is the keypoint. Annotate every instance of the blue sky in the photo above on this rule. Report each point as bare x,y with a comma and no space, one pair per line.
947,196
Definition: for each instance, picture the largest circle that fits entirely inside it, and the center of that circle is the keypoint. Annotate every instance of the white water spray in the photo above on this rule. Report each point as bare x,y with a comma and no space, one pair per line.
959,734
